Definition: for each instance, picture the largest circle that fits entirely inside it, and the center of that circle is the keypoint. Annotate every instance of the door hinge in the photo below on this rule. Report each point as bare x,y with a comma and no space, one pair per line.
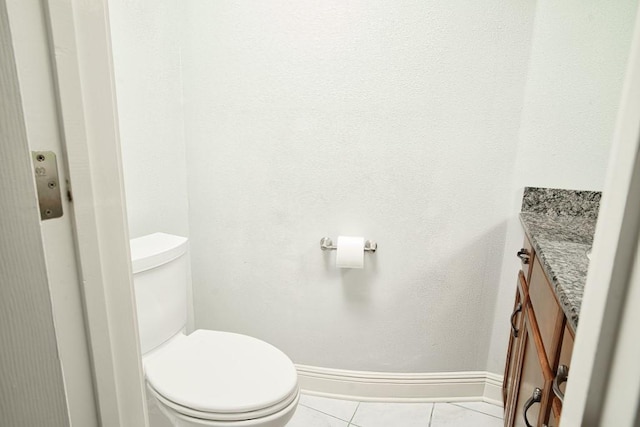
47,184
69,193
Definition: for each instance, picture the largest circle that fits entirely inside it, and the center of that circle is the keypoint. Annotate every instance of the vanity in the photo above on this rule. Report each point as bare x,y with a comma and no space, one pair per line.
559,227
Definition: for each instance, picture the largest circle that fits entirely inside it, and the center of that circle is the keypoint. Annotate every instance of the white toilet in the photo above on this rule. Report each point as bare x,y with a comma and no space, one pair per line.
207,378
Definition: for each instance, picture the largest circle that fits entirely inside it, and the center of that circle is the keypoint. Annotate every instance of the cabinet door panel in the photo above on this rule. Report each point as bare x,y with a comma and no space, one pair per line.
554,414
531,378
563,360
511,369
549,315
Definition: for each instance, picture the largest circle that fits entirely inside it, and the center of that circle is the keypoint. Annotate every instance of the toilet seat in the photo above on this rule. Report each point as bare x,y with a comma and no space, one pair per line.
222,376
188,413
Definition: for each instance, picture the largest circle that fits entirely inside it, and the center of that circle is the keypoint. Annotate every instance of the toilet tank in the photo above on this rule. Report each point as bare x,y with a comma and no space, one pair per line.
160,275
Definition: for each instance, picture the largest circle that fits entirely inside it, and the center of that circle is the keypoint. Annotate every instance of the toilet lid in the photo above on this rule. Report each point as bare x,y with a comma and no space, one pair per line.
222,372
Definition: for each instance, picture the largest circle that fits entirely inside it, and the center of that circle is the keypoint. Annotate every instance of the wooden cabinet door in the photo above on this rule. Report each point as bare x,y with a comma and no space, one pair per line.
532,380
535,350
564,361
554,415
554,420
549,315
511,369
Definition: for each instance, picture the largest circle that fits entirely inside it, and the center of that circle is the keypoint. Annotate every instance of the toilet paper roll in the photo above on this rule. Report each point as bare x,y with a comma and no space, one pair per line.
350,252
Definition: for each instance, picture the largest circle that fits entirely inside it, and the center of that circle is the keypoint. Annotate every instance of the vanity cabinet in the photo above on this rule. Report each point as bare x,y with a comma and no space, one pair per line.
540,345
534,379
562,372
516,320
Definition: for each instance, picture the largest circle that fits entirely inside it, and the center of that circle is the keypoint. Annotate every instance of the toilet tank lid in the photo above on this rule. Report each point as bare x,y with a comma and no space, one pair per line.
155,249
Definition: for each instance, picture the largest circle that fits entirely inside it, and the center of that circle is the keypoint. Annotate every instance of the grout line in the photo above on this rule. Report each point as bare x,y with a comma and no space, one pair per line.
330,415
475,410
431,414
323,413
354,414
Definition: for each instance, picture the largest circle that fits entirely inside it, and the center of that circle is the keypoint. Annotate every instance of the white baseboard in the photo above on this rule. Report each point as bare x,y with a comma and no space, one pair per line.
493,389
401,387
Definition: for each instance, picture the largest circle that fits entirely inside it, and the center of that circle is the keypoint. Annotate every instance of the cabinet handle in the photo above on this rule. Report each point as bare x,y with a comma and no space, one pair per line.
524,256
536,397
514,330
561,377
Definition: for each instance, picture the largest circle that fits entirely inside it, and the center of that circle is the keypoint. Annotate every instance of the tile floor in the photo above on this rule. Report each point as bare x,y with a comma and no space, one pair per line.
323,412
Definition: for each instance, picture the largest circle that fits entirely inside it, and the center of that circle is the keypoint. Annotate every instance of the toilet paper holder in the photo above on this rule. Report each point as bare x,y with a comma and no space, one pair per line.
326,244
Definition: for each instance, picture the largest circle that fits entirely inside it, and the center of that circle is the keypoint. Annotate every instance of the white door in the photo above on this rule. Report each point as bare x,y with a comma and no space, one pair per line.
67,319
38,96
32,390
604,382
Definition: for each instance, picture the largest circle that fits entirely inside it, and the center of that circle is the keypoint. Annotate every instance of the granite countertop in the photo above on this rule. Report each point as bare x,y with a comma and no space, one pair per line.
561,245
560,225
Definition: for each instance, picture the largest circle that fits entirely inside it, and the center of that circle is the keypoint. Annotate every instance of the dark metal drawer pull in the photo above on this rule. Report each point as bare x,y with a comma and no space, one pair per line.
514,330
561,377
523,254
536,397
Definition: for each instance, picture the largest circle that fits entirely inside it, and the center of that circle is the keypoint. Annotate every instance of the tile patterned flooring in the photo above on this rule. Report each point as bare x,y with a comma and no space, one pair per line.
324,412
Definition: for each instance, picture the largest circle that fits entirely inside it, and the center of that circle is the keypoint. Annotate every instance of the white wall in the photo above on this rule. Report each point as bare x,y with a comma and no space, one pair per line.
401,122
146,51
396,121
573,90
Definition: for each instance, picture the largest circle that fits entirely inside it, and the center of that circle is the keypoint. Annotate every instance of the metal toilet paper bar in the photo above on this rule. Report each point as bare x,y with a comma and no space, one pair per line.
326,244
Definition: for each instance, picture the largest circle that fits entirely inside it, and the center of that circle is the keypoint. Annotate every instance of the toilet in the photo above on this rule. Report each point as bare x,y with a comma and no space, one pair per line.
206,378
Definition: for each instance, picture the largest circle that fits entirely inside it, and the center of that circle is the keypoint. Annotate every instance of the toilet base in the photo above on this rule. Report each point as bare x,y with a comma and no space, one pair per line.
157,417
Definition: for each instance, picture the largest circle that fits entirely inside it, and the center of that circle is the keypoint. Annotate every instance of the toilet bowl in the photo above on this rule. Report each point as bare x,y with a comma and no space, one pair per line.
207,378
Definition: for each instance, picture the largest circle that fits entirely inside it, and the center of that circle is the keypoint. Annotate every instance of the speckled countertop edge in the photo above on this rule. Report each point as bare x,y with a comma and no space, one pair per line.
561,244
561,203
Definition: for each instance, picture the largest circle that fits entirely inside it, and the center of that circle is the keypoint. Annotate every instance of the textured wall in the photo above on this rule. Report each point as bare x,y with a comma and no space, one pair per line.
573,90
146,38
574,83
397,121
146,50
400,122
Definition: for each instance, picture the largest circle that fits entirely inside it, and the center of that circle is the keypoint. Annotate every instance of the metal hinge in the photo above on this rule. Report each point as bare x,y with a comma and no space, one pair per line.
69,193
47,184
